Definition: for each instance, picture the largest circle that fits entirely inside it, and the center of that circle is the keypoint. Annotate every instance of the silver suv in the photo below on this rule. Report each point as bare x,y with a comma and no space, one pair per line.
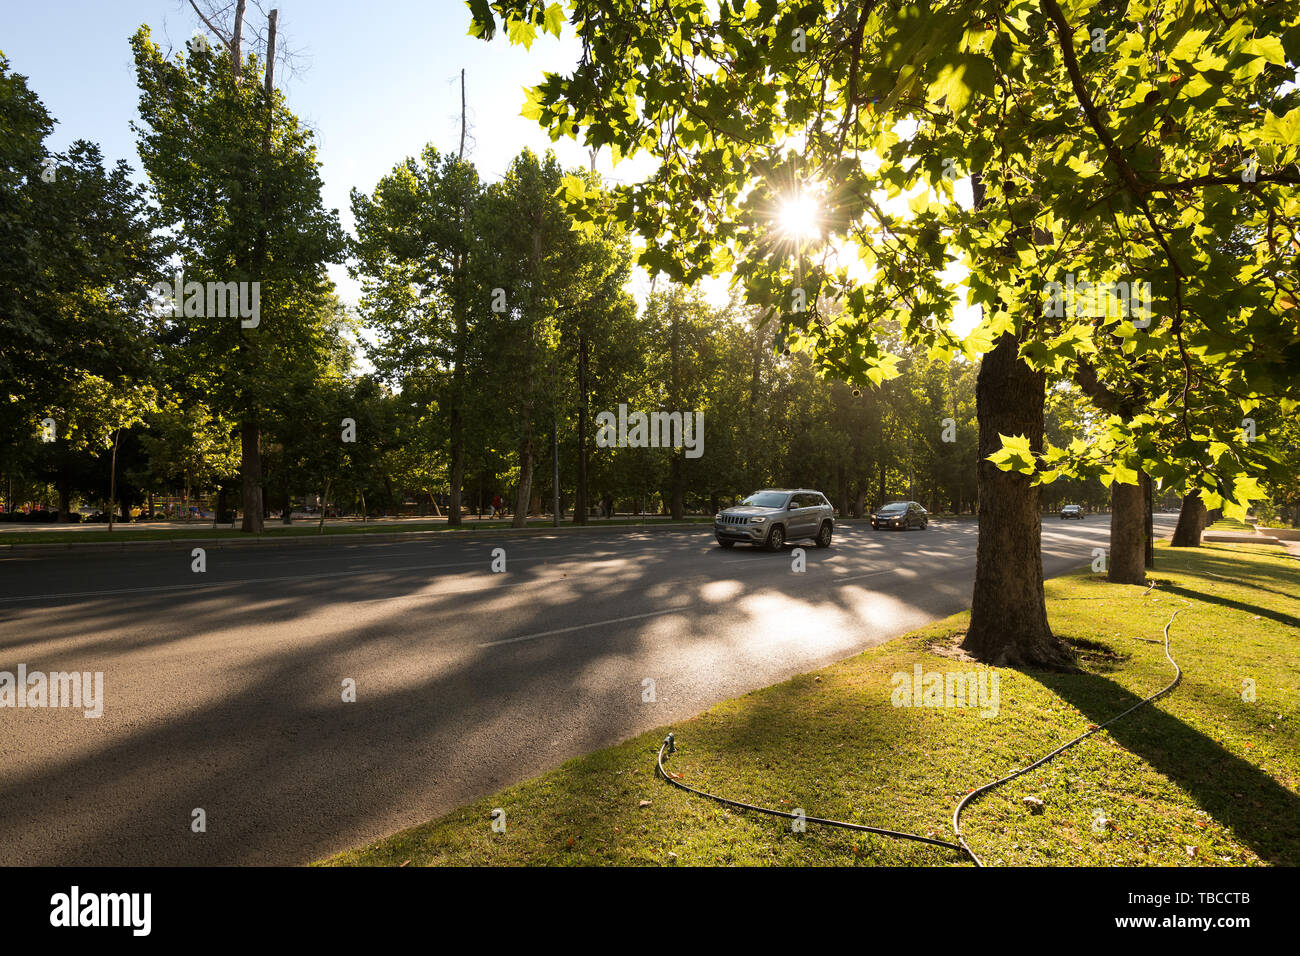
773,516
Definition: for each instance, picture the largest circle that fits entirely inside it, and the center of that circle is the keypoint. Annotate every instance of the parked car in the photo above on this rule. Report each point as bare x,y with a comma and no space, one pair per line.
900,516
773,516
1072,511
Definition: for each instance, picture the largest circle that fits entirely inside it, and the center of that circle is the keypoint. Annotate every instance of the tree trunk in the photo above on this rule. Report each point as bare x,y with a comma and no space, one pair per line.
457,471
1127,534
1008,620
324,506
250,473
677,504
65,503
112,480
580,493
1148,519
1191,522
525,487
236,40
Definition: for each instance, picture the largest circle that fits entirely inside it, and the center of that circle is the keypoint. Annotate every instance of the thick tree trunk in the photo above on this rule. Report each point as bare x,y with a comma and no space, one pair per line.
1127,534
65,503
1008,621
1191,522
250,473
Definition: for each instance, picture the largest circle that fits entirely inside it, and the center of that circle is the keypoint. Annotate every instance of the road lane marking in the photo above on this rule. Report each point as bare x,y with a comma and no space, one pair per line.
868,574
580,627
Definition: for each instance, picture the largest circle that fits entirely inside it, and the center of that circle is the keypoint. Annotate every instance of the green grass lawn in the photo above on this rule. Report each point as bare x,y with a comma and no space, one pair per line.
277,530
1200,778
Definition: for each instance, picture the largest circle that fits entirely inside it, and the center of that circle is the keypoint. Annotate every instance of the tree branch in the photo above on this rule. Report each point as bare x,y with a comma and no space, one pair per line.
220,36
1131,180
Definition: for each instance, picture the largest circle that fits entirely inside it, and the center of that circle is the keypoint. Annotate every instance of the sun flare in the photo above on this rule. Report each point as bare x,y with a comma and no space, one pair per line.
800,217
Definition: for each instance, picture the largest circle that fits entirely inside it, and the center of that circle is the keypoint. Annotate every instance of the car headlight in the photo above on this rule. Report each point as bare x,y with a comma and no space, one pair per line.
757,520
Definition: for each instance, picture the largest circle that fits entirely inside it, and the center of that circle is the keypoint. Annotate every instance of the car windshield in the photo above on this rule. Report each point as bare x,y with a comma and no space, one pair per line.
894,508
766,499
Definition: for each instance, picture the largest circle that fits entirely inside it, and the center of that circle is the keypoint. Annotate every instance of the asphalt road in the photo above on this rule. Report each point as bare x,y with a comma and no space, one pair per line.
224,690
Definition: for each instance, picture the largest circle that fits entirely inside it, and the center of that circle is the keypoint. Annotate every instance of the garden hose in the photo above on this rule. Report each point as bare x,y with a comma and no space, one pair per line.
961,846
670,745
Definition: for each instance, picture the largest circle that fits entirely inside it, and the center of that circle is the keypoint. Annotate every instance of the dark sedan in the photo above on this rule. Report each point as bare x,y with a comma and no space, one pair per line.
900,516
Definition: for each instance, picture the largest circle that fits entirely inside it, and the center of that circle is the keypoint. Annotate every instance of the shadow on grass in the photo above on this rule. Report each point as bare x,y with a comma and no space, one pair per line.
1260,811
1278,616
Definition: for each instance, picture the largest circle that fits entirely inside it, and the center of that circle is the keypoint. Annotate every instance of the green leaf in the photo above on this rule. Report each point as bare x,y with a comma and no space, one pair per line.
961,75
522,33
554,19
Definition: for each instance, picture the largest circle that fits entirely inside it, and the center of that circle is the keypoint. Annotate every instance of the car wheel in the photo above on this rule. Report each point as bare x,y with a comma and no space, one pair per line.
776,538
726,544
925,523
824,535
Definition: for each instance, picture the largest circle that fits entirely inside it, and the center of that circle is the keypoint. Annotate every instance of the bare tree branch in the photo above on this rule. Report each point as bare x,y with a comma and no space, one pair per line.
211,26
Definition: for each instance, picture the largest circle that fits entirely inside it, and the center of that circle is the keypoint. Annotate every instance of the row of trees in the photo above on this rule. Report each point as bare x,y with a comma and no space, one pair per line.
497,329
500,330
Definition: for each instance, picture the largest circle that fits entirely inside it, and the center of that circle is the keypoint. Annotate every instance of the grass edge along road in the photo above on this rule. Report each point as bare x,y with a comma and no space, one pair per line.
1206,776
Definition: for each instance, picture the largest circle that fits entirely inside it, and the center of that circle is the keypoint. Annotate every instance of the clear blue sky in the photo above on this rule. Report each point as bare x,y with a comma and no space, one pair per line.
376,81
